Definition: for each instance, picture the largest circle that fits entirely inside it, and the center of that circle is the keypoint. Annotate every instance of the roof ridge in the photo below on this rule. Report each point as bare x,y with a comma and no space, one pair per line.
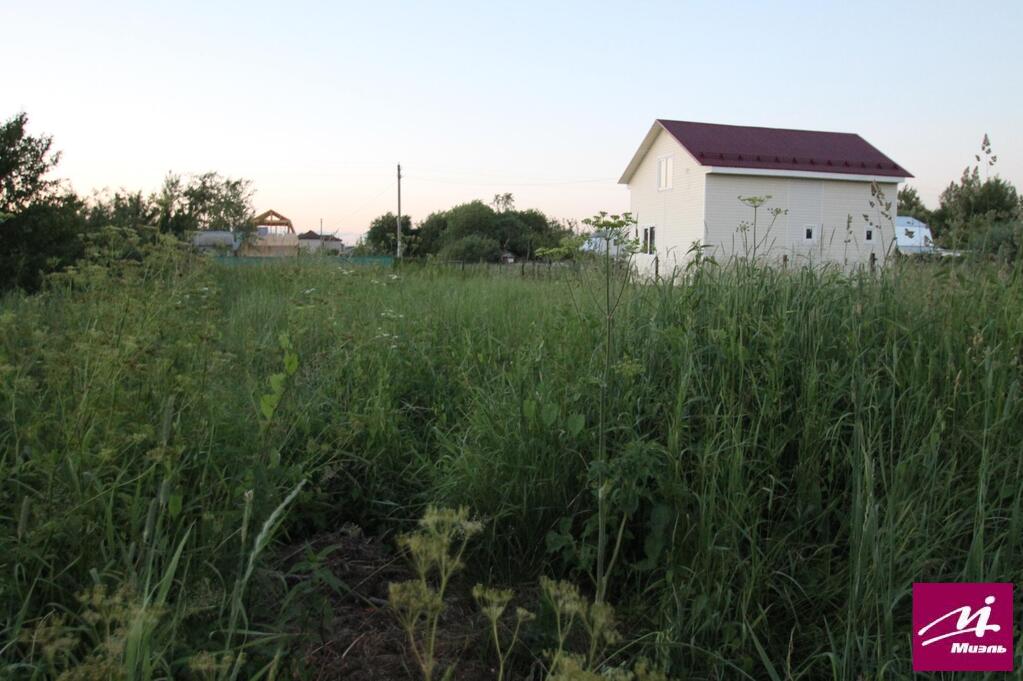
662,121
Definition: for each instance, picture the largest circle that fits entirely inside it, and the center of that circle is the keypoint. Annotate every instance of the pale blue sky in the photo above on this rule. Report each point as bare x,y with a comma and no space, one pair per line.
316,102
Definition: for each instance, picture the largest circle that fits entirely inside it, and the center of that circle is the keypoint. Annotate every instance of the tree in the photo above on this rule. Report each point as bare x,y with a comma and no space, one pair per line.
910,204
380,238
472,248
431,232
40,225
204,202
123,209
46,236
471,218
503,202
973,205
219,203
24,162
521,232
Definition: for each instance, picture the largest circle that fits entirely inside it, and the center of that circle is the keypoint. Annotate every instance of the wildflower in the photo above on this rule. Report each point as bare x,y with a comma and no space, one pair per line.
492,602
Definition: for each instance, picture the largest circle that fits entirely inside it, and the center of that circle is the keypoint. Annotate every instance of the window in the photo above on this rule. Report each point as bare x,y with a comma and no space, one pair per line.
665,172
808,232
870,235
649,237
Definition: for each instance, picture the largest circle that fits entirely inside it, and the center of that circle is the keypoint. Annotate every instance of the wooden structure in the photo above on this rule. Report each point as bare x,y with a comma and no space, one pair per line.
275,237
272,220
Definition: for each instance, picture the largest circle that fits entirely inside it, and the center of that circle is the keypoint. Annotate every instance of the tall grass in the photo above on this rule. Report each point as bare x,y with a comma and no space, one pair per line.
790,451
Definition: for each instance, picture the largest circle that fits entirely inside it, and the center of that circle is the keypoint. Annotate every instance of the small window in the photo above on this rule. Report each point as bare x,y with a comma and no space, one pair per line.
665,172
809,232
649,238
870,235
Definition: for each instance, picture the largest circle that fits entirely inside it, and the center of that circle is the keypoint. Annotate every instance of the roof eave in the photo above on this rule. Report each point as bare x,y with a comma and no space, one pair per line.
807,173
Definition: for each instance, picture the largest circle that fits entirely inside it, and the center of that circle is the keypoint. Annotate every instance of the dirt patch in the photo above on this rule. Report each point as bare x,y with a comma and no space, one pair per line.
358,638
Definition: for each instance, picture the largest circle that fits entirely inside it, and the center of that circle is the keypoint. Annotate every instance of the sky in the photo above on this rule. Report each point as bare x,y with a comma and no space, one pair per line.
316,103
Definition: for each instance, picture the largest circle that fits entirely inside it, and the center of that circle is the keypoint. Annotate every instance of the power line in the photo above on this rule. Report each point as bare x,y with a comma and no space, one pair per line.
506,183
365,204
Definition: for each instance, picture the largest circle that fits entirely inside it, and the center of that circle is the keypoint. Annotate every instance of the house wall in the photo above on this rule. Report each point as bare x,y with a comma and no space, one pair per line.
828,204
271,245
676,213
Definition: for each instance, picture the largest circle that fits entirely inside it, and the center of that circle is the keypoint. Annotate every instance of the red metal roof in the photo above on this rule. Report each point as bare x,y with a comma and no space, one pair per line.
742,146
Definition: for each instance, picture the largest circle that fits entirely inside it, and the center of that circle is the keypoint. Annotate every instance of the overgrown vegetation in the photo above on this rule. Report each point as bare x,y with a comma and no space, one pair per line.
471,232
784,453
45,227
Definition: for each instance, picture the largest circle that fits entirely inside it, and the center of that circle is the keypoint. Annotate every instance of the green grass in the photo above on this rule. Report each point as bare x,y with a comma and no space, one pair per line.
790,451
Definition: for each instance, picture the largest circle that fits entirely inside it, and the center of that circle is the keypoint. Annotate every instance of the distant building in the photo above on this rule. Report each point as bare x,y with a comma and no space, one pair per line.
216,242
598,243
274,237
313,242
913,236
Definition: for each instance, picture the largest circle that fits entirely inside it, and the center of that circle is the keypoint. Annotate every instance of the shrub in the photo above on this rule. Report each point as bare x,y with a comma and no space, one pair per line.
473,248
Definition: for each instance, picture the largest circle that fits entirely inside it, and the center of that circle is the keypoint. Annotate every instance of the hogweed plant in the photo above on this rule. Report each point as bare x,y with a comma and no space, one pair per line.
493,603
749,229
435,551
617,272
598,624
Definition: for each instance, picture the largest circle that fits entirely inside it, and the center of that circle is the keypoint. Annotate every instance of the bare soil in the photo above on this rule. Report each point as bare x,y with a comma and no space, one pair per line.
359,638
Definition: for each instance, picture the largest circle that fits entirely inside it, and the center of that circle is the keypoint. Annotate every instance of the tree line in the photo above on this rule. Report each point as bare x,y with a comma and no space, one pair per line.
470,232
45,226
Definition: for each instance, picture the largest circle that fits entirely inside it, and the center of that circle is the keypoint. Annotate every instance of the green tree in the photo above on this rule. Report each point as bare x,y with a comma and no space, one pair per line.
205,202
503,202
473,218
219,203
380,237
431,233
971,207
910,204
521,232
472,248
122,209
25,160
40,224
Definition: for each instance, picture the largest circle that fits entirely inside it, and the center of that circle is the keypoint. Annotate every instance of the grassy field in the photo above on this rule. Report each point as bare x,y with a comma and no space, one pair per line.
787,452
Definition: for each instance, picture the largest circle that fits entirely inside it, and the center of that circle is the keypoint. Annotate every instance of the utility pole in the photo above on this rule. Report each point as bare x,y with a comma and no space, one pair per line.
399,212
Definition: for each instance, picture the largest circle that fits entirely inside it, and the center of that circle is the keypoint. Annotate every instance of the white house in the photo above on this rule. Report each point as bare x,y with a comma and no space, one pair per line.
693,183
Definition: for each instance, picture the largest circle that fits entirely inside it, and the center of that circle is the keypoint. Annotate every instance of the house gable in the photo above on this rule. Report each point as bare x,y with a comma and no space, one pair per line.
644,148
674,210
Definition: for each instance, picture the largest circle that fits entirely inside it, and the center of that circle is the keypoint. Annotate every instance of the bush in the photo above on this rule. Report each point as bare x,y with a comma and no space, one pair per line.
472,248
1002,240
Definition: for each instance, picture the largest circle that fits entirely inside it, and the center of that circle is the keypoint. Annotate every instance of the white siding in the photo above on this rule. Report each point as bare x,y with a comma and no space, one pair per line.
676,213
834,207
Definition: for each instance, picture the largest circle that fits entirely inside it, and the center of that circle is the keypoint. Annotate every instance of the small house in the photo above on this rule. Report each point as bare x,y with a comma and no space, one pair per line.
790,196
313,242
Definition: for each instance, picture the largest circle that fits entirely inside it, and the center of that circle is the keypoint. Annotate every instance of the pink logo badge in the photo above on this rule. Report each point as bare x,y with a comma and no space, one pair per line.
962,627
